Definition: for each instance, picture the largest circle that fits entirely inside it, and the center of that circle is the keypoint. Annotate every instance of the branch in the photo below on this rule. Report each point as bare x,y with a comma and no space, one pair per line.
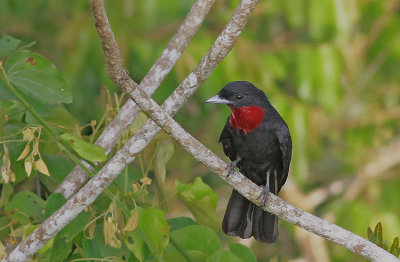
77,177
248,189
87,194
243,185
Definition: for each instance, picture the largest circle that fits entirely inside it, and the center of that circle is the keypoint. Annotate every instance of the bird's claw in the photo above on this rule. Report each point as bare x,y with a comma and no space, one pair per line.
264,195
232,166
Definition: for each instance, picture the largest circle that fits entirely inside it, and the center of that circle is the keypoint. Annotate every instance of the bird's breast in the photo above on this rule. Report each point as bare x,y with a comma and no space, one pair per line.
246,118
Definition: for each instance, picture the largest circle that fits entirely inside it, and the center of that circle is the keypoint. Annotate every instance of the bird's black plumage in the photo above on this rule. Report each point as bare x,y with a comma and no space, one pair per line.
264,149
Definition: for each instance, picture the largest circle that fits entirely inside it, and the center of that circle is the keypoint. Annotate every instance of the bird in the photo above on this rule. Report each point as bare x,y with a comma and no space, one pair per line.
258,142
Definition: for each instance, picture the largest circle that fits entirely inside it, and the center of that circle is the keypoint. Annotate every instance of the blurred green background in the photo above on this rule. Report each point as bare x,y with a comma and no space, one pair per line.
330,67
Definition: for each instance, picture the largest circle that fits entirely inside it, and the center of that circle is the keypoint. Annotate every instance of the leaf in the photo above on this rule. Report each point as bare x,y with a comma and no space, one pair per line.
24,152
54,202
152,222
58,166
197,237
164,153
6,193
28,203
181,222
371,236
201,201
136,245
155,229
28,134
28,166
223,255
84,149
394,249
378,234
3,252
4,229
132,222
41,167
242,252
61,249
8,44
96,248
75,226
109,229
37,77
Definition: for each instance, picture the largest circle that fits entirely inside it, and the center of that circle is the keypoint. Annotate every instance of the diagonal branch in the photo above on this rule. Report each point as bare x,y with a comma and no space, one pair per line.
243,185
150,82
248,189
87,194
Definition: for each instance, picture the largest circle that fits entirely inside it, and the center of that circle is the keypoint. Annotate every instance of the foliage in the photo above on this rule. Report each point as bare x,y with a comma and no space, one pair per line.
329,67
376,237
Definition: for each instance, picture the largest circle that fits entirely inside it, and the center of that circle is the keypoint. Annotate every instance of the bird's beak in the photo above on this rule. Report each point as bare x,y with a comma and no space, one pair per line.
218,100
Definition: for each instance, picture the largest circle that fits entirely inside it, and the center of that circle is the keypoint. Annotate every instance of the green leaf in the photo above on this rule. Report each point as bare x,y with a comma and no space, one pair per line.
28,203
371,236
37,77
154,225
96,248
197,237
378,234
8,44
54,202
137,245
75,226
242,252
155,231
6,193
394,249
61,117
58,166
4,229
195,256
86,150
61,249
224,255
180,222
201,201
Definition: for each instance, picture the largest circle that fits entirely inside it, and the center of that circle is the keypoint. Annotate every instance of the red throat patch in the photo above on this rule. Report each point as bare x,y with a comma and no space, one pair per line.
246,118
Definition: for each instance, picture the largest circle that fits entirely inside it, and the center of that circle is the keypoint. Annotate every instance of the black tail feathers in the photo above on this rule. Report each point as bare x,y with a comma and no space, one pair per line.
244,219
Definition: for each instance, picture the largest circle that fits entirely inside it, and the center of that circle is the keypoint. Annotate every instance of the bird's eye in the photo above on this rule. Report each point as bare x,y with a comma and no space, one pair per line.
238,97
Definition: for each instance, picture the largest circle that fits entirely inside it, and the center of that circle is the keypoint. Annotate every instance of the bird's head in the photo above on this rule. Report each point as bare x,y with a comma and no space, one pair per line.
248,104
240,94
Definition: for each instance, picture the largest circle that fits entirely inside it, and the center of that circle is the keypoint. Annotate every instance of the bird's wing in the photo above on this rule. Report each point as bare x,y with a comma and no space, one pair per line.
285,145
226,140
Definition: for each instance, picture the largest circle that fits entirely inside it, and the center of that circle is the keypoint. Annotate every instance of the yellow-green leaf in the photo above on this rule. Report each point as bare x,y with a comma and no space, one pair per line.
28,166
41,167
86,150
24,152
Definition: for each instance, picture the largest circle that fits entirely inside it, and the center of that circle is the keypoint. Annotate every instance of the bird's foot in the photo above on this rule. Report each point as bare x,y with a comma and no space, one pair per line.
232,166
264,195
265,192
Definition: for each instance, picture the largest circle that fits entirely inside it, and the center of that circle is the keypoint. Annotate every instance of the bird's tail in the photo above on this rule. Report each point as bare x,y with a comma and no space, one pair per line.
245,219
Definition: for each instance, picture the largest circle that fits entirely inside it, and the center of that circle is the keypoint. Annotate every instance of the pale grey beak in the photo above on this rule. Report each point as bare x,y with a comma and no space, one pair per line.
218,100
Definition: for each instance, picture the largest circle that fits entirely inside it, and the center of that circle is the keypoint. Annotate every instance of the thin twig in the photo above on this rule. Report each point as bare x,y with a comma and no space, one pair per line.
77,177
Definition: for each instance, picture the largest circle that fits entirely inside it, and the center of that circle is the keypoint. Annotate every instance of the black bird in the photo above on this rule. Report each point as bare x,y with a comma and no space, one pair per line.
257,141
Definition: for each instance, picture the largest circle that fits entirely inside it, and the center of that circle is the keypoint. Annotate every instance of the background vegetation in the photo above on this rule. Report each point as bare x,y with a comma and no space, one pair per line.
329,67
